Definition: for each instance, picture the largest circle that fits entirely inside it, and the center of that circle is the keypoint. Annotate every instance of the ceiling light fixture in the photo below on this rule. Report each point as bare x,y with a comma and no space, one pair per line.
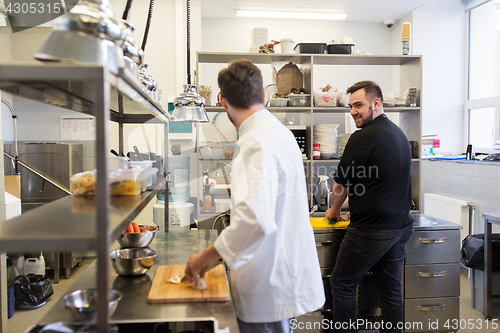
189,106
291,15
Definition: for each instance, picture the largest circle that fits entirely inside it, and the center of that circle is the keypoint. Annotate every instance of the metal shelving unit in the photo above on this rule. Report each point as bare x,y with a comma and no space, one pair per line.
407,70
83,223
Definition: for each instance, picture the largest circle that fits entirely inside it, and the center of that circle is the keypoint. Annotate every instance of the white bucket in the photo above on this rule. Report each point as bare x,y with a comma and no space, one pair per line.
34,266
287,45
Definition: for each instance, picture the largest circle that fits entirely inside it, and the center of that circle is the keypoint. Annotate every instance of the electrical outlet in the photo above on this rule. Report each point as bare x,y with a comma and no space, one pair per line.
176,218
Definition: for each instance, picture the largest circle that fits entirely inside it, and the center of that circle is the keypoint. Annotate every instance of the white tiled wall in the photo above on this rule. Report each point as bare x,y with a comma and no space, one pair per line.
477,183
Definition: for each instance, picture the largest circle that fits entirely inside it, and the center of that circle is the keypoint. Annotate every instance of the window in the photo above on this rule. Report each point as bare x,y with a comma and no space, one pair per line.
483,102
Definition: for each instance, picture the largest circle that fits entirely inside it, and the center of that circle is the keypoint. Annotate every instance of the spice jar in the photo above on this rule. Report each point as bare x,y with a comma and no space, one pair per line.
316,151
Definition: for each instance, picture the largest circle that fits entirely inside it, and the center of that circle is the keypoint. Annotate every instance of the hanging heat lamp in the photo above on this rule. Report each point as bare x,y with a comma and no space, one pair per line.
189,106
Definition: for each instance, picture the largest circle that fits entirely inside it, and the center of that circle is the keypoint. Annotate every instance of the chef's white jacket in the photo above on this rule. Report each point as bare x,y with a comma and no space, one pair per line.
269,245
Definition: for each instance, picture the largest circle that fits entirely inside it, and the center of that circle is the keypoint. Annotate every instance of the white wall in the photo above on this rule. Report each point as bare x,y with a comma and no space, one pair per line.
439,34
235,35
476,183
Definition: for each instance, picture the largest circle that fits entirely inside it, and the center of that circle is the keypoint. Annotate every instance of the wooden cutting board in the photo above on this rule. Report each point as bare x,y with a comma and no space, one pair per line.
321,223
165,292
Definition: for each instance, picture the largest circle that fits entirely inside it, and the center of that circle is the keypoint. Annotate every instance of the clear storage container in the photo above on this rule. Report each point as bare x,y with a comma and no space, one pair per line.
178,166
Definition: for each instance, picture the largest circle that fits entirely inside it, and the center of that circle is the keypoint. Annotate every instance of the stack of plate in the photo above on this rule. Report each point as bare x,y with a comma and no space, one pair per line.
343,138
326,136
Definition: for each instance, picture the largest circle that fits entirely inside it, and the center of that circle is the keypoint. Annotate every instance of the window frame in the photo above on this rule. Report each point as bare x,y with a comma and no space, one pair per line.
481,102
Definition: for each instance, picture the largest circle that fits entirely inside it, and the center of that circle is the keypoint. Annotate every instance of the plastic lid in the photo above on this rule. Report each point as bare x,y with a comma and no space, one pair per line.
286,40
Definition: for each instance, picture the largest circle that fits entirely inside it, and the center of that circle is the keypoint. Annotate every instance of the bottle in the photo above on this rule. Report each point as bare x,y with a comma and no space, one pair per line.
316,151
207,199
324,202
20,265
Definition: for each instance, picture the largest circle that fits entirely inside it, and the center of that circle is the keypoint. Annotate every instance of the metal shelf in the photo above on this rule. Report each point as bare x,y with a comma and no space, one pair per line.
69,224
71,86
342,109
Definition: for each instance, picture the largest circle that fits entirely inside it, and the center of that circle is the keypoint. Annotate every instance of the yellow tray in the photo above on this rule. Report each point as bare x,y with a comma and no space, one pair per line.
322,223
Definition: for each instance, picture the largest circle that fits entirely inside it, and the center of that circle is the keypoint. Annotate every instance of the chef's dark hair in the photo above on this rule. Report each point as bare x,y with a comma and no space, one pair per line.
241,84
371,89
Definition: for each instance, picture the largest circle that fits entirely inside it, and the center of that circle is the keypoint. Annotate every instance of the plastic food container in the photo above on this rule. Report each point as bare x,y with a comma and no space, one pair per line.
317,48
121,182
115,163
389,102
211,153
328,98
222,205
229,150
278,102
299,99
339,48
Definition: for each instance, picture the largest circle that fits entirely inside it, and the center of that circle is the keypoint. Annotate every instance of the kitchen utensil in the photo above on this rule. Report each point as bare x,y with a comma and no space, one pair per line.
132,262
325,193
138,153
82,304
164,292
140,239
323,223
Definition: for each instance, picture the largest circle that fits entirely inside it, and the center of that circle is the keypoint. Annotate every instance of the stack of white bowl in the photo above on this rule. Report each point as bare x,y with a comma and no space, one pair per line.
326,135
343,138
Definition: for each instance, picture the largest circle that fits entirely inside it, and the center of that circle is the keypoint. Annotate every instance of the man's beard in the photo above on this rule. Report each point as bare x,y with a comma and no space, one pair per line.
368,119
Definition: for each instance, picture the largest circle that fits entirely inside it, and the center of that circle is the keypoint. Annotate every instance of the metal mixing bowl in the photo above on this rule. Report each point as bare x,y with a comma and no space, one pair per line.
82,304
141,239
132,262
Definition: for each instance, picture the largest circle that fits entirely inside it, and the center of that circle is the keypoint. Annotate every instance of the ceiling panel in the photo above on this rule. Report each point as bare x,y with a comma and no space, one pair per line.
356,10
311,4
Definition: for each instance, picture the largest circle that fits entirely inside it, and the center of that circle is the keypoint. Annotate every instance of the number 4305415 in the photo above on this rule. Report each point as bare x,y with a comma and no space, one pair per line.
33,8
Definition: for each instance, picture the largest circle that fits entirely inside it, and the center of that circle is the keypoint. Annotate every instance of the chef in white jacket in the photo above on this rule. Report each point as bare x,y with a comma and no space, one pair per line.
269,245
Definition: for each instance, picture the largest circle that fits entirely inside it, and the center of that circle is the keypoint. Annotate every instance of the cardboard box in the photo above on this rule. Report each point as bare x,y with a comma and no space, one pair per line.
289,76
13,185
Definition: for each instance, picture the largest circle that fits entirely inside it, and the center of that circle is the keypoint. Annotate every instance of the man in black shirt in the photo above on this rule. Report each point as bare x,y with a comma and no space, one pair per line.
375,172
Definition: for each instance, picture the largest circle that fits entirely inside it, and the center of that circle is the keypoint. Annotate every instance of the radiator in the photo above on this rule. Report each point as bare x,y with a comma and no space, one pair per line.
450,209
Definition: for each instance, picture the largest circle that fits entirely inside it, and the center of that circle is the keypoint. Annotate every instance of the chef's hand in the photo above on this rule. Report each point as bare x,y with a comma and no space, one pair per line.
200,263
331,214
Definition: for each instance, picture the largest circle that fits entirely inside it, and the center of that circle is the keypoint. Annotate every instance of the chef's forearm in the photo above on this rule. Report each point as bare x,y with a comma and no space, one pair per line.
210,253
339,194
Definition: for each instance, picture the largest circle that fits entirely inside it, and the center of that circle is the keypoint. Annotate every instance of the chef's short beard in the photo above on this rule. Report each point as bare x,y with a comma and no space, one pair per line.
368,119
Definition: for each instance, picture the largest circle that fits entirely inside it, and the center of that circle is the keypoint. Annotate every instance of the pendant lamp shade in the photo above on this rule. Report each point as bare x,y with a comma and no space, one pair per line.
189,106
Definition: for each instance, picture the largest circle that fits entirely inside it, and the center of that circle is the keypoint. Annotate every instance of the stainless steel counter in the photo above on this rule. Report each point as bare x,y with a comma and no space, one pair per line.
173,248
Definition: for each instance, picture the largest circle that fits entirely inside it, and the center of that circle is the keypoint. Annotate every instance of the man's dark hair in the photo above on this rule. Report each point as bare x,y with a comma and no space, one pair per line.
371,89
241,84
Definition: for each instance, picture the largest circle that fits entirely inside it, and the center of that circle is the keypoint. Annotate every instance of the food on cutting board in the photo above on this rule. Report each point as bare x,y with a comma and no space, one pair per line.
202,283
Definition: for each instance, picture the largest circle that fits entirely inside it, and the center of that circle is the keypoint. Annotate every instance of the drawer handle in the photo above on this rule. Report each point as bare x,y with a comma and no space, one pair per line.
327,243
432,275
319,312
431,308
432,241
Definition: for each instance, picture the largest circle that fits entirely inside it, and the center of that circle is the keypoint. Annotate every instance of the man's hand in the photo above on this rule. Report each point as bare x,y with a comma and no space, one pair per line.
200,263
332,214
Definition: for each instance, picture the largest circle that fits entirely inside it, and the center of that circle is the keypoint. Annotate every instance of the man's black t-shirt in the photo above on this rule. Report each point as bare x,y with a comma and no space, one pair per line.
376,167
